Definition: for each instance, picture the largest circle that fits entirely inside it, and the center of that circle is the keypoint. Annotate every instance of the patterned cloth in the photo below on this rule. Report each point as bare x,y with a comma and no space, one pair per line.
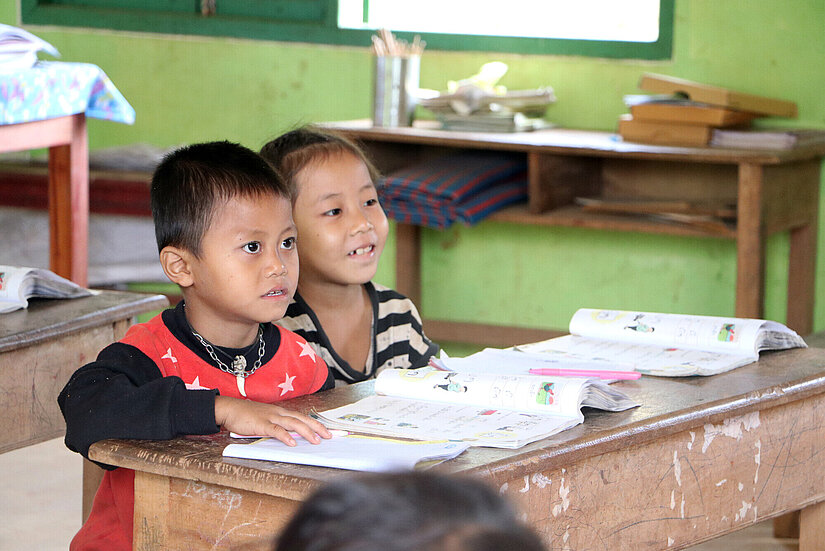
465,187
54,89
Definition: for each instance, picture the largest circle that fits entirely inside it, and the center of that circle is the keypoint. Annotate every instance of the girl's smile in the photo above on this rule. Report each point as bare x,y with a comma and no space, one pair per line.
361,251
341,224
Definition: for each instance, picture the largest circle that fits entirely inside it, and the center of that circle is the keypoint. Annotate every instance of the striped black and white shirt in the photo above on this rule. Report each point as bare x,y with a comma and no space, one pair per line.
398,340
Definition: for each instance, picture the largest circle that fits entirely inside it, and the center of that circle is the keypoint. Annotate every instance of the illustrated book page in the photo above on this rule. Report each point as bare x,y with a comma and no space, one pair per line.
668,344
481,409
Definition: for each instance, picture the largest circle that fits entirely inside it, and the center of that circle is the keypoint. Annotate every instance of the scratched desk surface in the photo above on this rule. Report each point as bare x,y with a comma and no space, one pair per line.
701,457
47,318
668,406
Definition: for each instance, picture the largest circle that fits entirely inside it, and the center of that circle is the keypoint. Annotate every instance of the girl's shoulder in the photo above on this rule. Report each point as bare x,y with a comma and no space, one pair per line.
393,307
385,293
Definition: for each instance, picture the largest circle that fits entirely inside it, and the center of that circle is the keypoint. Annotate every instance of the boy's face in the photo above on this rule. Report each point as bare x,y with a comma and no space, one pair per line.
247,271
342,226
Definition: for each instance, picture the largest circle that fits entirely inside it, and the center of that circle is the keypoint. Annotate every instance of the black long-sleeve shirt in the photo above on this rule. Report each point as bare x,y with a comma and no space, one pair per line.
124,393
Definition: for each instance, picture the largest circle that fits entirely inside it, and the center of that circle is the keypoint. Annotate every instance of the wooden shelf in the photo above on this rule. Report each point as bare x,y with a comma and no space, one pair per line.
566,141
772,191
575,217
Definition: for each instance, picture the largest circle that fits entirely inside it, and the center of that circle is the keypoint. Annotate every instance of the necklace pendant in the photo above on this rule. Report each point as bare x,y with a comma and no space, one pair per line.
239,365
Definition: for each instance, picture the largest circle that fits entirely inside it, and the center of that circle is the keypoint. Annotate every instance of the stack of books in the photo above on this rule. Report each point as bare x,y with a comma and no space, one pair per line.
472,109
685,113
18,49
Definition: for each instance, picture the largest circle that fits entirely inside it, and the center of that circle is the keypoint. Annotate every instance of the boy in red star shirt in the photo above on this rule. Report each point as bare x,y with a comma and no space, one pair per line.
223,223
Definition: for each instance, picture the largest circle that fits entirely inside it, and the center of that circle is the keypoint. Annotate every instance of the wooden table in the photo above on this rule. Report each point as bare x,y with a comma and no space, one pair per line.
773,191
68,187
702,456
40,348
42,345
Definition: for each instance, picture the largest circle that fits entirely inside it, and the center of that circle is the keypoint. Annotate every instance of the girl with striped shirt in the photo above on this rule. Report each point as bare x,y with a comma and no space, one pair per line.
358,327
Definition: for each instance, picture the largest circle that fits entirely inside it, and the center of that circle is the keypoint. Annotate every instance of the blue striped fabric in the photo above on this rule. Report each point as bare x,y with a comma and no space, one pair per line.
464,188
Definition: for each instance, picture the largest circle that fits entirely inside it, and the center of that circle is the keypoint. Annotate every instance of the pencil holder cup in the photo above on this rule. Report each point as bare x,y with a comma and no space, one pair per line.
395,84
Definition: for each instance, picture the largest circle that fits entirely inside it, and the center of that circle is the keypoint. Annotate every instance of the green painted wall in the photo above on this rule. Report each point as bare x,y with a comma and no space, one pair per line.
194,89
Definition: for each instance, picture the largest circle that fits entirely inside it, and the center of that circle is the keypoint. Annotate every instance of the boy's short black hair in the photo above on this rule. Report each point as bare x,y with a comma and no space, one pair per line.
406,511
293,151
190,182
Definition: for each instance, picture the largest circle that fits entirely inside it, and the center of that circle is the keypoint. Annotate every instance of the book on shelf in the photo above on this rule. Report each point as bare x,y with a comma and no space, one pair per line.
715,216
472,99
718,96
682,111
18,284
644,205
357,452
700,221
492,122
478,408
663,132
770,139
668,345
472,109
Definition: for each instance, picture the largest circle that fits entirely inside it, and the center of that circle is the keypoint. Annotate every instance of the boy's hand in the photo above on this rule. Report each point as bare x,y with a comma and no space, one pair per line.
255,418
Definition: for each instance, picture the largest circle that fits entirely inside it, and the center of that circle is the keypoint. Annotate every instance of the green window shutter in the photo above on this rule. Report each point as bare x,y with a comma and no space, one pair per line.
313,21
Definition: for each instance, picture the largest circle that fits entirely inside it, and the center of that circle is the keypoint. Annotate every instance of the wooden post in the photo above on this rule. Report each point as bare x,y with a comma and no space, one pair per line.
69,205
750,243
408,261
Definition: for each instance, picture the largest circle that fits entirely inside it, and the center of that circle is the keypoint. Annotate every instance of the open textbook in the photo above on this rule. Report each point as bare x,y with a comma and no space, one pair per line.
356,452
669,345
19,284
480,409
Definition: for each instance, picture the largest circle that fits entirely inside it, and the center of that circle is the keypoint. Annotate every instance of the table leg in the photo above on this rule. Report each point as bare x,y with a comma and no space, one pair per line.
812,527
750,243
173,513
786,526
802,278
69,205
92,476
408,261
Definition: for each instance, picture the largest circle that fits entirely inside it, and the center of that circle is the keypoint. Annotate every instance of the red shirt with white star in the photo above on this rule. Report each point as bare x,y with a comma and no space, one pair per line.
293,370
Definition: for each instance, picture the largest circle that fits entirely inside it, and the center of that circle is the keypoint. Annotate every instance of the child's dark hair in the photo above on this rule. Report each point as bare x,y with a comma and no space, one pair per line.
292,152
412,511
190,182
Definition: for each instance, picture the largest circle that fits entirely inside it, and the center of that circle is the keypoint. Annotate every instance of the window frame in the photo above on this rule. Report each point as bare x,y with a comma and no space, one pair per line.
311,21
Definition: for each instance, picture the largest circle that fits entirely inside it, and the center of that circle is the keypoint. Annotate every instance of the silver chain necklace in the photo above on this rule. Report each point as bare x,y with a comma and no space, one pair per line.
238,368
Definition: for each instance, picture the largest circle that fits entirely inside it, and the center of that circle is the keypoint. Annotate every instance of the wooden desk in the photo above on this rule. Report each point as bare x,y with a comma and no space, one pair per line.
773,191
40,348
68,187
702,456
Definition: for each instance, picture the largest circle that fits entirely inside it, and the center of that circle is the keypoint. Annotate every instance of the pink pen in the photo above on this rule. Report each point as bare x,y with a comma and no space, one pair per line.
619,375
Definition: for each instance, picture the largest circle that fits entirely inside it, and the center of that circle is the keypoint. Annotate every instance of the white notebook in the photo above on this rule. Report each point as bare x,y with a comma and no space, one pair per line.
350,451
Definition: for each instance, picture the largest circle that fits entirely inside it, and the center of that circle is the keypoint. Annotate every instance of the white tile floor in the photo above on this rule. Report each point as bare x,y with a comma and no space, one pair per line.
40,498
